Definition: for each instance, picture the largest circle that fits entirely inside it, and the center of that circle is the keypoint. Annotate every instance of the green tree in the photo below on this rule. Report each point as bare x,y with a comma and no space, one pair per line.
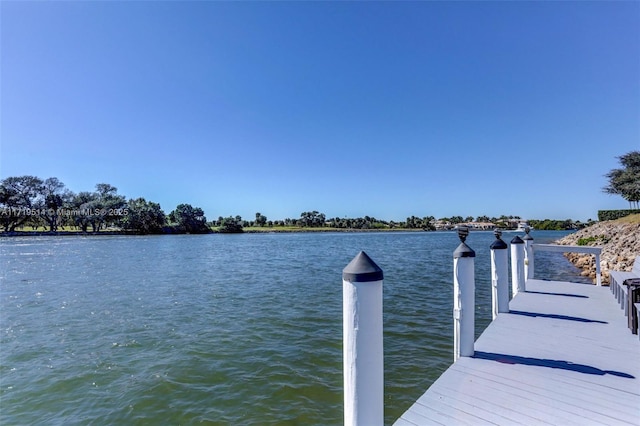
81,203
107,206
144,217
456,219
99,209
189,219
231,225
55,196
626,181
312,219
261,220
427,223
19,196
413,222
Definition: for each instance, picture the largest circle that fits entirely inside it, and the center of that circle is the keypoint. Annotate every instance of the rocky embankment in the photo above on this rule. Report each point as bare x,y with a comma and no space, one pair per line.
620,242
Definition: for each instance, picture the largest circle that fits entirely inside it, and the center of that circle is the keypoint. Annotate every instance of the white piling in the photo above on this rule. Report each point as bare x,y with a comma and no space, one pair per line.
517,265
463,298
499,276
528,254
362,342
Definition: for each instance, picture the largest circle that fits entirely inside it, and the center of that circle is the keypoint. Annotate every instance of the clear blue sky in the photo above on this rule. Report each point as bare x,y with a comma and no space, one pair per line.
384,109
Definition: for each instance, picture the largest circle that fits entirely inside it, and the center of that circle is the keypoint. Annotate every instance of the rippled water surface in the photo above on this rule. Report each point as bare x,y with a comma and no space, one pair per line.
219,329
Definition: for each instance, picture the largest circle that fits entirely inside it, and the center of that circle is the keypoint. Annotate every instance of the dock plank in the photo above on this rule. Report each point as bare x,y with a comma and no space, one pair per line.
579,389
503,397
562,355
563,397
511,417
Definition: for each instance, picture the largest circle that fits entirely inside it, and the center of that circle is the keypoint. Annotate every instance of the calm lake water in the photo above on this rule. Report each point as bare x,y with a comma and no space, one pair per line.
220,329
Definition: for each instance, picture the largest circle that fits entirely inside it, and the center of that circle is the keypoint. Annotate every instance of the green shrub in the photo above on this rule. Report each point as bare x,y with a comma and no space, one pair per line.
586,241
597,239
615,214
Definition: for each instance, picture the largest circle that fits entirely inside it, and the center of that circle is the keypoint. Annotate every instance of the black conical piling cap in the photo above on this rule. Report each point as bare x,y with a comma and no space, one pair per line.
463,250
517,240
498,244
362,269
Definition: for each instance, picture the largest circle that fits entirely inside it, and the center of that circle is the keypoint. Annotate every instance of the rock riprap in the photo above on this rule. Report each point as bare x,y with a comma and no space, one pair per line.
620,242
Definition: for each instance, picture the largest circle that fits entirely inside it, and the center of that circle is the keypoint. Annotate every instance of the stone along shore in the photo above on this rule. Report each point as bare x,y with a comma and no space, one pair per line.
620,242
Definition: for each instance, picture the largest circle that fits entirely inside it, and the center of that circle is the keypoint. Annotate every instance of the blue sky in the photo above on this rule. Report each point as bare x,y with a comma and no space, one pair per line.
386,109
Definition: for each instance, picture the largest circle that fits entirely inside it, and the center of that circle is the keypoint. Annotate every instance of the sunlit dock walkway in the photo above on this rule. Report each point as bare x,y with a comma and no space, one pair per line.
563,355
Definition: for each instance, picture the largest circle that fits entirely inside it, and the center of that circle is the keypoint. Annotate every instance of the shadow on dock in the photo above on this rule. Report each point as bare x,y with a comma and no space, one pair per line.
557,294
554,316
549,363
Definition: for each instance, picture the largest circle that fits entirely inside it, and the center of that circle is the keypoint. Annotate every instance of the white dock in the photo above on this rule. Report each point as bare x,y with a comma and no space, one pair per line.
563,355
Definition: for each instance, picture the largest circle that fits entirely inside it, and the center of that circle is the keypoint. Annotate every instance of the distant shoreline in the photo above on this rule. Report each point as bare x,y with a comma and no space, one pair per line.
251,230
248,231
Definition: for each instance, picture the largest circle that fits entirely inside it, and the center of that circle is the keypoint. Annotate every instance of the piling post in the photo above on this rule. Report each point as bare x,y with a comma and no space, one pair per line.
463,297
499,275
528,254
517,265
362,342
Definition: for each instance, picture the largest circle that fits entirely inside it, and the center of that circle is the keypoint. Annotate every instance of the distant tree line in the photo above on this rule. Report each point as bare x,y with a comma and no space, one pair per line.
315,219
28,201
